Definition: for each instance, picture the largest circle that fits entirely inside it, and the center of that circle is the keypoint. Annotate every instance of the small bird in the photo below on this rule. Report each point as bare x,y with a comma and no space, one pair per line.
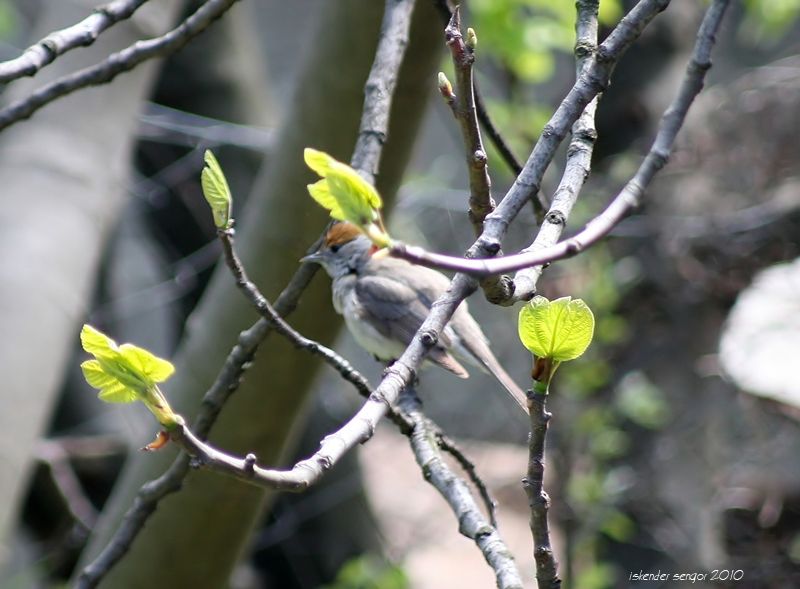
384,301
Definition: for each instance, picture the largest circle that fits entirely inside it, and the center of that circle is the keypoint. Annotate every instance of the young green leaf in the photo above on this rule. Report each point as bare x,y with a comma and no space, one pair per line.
560,330
216,191
346,195
126,373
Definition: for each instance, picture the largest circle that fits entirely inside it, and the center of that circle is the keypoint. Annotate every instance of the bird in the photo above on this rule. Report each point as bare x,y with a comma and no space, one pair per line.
384,301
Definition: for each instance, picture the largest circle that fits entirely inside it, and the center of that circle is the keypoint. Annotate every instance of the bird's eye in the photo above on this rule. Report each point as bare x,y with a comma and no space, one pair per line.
335,248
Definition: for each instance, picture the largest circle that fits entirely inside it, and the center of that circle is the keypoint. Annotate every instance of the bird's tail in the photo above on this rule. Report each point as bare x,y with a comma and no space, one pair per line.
493,366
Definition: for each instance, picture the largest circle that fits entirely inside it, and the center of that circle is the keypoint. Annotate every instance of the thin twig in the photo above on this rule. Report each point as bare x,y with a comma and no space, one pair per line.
626,201
539,502
116,63
463,107
579,157
449,445
483,115
472,523
81,34
498,141
265,309
593,80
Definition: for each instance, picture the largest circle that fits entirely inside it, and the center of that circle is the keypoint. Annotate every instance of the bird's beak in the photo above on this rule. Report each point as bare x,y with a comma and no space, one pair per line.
315,258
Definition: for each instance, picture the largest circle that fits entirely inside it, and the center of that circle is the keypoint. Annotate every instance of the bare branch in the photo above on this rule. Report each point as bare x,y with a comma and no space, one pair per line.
627,200
483,115
539,502
579,158
379,89
463,107
450,446
498,141
116,63
82,34
265,309
593,80
304,474
472,523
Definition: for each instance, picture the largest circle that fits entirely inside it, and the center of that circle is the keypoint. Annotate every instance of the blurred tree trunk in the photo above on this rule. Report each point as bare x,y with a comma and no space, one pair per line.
196,535
62,175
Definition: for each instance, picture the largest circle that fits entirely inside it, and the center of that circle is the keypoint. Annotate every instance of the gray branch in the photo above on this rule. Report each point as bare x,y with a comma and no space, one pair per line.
379,89
538,500
116,63
471,522
625,202
81,34
579,157
593,79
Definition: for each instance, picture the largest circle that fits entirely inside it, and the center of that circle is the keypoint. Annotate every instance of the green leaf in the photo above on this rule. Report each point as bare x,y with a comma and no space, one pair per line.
319,161
155,369
97,343
95,375
321,192
126,373
560,330
118,393
347,196
216,191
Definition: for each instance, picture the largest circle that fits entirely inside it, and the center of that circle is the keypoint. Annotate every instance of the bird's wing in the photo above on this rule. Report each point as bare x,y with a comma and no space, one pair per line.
397,311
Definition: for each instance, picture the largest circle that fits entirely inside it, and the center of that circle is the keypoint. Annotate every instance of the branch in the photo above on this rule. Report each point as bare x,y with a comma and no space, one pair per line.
82,34
241,355
463,106
265,309
152,492
448,445
472,523
579,157
593,80
626,201
538,500
379,88
483,115
497,140
116,63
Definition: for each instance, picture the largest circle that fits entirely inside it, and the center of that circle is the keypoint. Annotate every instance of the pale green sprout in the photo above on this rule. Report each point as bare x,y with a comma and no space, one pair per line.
558,330
216,191
472,39
346,195
445,87
127,373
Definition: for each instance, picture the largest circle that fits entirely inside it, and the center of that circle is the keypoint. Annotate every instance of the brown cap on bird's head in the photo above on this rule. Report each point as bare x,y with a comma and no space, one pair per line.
341,233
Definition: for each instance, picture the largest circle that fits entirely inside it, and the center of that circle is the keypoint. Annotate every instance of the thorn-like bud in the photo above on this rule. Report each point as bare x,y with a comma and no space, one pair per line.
472,39
250,463
445,87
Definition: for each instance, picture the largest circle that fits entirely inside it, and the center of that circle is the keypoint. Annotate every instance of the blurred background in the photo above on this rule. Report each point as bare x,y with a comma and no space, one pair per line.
674,441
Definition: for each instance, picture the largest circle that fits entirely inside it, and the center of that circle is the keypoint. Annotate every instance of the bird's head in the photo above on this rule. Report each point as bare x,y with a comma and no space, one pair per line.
344,251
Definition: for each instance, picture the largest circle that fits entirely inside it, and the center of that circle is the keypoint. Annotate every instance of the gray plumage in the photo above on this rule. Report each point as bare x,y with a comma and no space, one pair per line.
385,300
